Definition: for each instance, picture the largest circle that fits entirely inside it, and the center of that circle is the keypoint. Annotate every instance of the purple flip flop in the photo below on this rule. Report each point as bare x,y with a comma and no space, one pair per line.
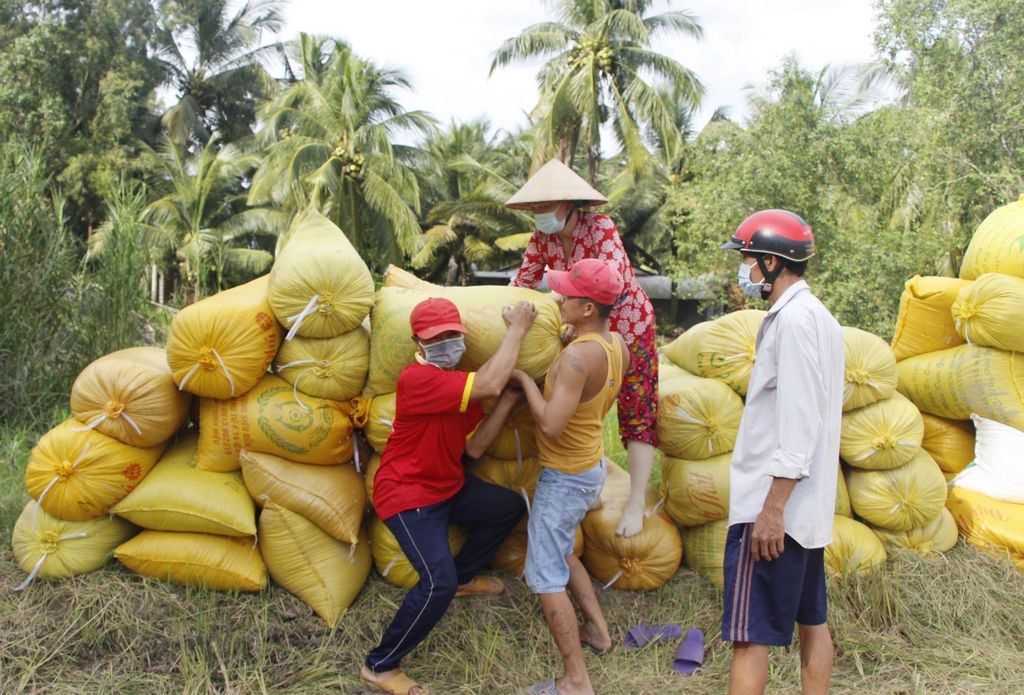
644,634
690,656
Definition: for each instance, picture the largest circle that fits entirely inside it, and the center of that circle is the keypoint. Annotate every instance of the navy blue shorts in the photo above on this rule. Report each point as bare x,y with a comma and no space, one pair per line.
764,599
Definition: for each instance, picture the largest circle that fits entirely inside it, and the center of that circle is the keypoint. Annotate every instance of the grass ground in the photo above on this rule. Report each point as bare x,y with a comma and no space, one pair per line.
923,625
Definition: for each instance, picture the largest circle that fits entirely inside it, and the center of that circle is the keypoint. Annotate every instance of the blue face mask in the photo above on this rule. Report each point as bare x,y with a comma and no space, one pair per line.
445,353
751,289
548,222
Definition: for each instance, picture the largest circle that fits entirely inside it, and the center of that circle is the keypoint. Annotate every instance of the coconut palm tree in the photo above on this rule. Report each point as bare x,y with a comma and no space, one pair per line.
598,58
212,55
327,138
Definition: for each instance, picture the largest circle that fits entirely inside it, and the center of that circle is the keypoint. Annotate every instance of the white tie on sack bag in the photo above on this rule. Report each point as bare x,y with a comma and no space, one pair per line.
304,372
39,502
98,421
686,417
299,317
871,452
197,365
42,558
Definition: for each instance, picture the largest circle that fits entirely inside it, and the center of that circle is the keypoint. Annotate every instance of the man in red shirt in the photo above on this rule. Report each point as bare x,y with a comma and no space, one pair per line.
421,485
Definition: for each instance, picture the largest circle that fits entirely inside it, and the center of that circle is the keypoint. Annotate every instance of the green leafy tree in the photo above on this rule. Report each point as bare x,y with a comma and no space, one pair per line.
598,57
327,138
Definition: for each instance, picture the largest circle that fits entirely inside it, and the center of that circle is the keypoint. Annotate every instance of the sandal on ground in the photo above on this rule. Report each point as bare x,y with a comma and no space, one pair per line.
544,688
398,684
481,586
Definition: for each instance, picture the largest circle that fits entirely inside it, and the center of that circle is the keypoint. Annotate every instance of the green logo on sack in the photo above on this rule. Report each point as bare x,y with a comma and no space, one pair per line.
284,420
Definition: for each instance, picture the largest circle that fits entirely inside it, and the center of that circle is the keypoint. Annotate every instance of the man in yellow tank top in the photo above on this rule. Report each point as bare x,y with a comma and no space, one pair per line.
580,388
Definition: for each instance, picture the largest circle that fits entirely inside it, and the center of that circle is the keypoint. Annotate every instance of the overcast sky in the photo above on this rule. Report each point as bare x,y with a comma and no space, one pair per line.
446,46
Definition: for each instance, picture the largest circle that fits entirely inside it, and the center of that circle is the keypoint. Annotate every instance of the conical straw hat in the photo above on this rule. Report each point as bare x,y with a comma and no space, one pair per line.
554,182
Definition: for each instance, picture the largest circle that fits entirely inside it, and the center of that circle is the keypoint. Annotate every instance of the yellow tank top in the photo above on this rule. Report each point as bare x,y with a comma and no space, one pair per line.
581,444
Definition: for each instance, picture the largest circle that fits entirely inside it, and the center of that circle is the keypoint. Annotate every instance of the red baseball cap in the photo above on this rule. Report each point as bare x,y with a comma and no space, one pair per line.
434,316
590,278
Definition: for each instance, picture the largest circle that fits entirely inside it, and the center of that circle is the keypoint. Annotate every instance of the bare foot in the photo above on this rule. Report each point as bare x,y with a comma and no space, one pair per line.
595,637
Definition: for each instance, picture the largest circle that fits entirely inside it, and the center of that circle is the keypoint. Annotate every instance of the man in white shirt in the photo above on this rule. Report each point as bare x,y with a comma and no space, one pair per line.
783,472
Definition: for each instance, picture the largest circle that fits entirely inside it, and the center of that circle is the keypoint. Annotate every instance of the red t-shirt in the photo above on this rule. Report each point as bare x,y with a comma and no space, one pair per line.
422,462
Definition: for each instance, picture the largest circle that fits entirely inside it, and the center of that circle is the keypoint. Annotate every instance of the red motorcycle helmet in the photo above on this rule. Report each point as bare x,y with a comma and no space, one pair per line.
778,232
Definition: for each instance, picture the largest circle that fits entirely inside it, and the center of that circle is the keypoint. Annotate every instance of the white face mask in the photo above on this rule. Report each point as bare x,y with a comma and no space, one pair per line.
548,222
751,289
444,353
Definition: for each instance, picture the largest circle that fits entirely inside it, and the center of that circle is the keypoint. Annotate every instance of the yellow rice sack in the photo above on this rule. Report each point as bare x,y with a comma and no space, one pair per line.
697,417
517,475
722,349
870,369
480,308
937,536
371,471
696,492
511,555
220,563
332,368
44,546
332,497
319,285
967,379
376,418
397,277
517,438
325,573
925,322
644,561
989,523
854,548
843,507
391,562
990,311
705,549
883,435
950,442
997,245
131,396
268,420
220,346
79,475
179,496
900,499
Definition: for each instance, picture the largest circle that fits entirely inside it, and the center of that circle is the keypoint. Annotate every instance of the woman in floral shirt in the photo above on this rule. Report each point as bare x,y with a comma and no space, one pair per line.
566,234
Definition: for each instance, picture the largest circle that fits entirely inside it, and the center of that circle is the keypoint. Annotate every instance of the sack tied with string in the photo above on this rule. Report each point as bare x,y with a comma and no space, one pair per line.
722,349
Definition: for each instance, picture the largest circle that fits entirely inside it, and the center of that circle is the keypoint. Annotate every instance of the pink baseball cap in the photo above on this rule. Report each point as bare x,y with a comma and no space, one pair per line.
591,279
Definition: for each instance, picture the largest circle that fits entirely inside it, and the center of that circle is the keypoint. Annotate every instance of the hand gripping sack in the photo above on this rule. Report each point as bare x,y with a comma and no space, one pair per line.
696,492
870,369
722,349
511,555
967,379
332,497
79,475
319,286
937,536
392,563
705,550
997,470
883,435
950,442
925,322
644,561
179,496
218,563
990,311
376,418
44,546
220,346
854,548
697,418
269,420
997,245
131,396
325,573
480,309
900,499
989,523
333,368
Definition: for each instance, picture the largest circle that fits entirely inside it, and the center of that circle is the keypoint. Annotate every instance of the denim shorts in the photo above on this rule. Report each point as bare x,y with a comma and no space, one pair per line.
559,505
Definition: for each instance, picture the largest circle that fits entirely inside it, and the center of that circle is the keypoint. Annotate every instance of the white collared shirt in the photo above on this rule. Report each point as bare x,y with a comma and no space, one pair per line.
792,419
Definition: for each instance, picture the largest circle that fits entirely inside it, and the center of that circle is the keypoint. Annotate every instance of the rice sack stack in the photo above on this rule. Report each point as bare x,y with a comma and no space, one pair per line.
870,371
644,561
996,245
925,322
220,346
319,285
697,417
722,349
269,420
130,395
332,368
480,308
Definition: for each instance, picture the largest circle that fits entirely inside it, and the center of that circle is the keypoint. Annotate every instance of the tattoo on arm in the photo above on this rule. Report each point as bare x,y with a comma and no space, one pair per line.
575,363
